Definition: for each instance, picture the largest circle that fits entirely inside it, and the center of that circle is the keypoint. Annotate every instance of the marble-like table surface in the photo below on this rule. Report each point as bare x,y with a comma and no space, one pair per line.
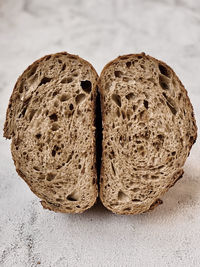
99,31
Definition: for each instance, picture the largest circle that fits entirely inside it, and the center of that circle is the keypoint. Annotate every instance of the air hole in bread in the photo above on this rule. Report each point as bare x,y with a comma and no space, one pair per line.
58,167
128,64
71,107
41,177
129,96
50,176
64,97
59,200
160,136
118,74
170,104
83,169
31,114
113,169
55,127
134,107
112,154
136,200
63,67
164,70
136,189
55,93
117,99
36,168
47,58
21,87
141,148
126,79
75,74
173,153
53,117
151,80
44,81
67,80
118,112
79,98
154,177
86,86
157,145
32,71
38,136
70,156
127,209
128,114
122,196
55,149
73,196
173,110
22,113
164,82
146,104
123,115
60,61
142,115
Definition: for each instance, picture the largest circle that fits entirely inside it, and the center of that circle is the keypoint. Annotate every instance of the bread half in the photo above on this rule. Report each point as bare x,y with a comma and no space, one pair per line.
148,131
51,121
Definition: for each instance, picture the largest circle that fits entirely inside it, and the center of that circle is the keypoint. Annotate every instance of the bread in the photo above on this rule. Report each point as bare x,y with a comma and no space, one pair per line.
51,121
148,131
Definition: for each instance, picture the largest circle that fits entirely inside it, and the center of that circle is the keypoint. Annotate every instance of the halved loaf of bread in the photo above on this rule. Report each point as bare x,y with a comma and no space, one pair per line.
148,131
51,121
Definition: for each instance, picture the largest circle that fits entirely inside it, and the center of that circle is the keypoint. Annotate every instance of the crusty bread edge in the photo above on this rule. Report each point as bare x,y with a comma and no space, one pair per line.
177,176
8,135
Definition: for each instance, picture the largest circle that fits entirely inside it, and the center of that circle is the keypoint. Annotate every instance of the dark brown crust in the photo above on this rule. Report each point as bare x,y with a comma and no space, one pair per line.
156,203
179,176
7,134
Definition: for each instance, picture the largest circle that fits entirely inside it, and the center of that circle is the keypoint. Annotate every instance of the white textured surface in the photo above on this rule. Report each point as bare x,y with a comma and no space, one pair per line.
99,31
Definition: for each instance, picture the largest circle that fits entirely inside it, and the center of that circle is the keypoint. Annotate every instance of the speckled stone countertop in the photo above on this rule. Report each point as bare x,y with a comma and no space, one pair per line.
99,31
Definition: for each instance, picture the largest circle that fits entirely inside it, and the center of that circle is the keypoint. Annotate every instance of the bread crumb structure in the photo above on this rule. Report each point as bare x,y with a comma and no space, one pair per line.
50,120
148,131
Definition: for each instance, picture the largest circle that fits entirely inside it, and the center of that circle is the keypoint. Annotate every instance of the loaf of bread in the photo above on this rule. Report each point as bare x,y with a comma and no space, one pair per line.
148,131
51,121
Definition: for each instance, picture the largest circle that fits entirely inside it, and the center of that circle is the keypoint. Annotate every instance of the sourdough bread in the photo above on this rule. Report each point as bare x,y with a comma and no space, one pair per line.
50,119
148,131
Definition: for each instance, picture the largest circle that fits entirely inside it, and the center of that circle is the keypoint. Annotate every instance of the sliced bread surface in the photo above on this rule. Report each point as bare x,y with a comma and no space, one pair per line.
51,121
148,131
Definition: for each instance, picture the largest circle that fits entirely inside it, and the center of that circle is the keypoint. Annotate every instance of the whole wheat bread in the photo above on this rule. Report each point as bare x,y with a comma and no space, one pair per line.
148,131
50,119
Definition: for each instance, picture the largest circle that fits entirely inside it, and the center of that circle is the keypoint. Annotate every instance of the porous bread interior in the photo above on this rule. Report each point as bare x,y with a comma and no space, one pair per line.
148,131
51,121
